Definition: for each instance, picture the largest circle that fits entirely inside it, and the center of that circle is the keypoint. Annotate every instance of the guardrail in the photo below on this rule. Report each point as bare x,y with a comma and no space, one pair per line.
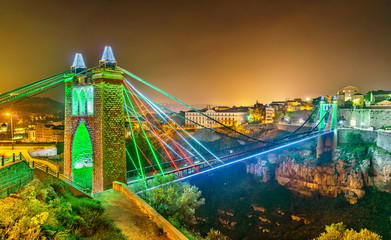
14,158
49,171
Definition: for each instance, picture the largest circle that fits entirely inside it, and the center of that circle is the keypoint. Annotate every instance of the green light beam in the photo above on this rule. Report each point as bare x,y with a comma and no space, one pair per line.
142,129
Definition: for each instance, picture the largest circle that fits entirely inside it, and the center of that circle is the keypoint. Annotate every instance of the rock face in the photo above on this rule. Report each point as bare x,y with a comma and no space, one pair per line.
329,180
261,169
381,167
348,177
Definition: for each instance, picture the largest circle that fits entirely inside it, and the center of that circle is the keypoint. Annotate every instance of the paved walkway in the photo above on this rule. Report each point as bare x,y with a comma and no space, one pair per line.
128,217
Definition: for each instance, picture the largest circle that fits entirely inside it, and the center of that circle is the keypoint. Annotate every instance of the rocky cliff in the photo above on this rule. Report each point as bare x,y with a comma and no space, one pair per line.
348,177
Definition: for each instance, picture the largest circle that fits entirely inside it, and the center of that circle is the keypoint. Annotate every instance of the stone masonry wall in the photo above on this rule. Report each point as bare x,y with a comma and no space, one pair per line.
375,118
366,135
114,164
382,139
13,177
68,132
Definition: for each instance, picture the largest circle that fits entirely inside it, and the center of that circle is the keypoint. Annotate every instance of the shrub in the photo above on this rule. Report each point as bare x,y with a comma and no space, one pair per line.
176,201
339,231
28,215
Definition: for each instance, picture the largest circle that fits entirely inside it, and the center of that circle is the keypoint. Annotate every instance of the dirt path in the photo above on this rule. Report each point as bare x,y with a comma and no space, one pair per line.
128,217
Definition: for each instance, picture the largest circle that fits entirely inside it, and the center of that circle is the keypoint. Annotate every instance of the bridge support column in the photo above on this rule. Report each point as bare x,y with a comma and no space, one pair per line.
94,151
326,144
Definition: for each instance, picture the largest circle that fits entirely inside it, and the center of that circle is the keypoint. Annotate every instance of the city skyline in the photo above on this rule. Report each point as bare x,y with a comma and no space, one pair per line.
218,52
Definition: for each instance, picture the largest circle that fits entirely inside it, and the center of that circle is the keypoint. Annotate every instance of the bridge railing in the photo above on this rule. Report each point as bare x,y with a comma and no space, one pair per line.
226,152
7,160
230,155
55,174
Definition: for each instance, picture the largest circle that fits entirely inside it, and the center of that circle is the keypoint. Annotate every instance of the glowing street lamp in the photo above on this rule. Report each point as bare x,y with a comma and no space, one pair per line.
12,131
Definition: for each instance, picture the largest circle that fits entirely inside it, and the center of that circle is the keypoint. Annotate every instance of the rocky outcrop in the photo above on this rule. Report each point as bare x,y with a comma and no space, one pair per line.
381,169
330,180
348,177
261,169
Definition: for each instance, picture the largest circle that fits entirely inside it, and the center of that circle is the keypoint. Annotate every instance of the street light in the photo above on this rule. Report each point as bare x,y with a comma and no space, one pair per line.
12,131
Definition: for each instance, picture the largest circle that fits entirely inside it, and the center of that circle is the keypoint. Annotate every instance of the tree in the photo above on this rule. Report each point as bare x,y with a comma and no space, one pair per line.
176,201
338,231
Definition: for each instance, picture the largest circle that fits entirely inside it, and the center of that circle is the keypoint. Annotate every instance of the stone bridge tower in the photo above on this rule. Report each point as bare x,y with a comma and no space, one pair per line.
94,151
328,121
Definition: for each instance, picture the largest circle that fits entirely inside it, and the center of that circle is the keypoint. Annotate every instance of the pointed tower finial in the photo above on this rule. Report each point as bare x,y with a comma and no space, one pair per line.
108,57
78,62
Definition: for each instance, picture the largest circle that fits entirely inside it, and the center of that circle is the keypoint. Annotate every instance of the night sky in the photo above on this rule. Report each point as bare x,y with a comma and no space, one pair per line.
216,52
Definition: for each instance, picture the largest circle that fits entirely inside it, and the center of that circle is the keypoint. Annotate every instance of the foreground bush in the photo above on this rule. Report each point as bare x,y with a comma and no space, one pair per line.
339,232
177,201
52,212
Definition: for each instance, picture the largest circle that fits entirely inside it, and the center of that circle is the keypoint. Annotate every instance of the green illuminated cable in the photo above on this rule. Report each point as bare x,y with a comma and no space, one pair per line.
142,129
32,91
141,170
183,103
152,145
134,142
131,159
33,84
15,94
185,118
37,86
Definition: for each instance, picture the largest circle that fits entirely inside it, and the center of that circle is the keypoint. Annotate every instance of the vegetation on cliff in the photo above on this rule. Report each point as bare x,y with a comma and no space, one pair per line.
339,231
41,211
354,148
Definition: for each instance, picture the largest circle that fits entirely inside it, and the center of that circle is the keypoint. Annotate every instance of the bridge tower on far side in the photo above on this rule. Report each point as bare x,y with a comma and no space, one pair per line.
328,122
94,151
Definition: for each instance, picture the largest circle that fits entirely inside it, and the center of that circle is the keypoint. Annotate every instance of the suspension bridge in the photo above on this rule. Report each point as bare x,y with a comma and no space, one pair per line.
103,101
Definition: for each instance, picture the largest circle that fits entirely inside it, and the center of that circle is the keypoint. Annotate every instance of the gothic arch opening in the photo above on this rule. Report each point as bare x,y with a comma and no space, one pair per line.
82,157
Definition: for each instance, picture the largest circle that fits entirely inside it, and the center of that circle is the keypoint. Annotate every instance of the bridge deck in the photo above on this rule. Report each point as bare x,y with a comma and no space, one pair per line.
225,157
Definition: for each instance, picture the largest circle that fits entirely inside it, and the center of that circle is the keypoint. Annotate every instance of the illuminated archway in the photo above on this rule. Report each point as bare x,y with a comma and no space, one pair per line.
82,161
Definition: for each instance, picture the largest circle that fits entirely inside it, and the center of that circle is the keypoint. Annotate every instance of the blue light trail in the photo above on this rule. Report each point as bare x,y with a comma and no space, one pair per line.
238,160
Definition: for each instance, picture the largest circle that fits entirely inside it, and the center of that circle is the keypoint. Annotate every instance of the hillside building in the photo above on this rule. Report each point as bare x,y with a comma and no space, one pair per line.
227,116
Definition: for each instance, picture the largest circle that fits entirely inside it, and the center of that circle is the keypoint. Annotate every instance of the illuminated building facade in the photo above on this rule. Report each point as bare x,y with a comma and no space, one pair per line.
225,115
346,93
358,100
94,151
46,133
375,97
269,115
298,104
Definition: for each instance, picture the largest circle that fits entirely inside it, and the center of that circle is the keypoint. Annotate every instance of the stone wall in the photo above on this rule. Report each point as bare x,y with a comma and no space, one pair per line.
168,228
13,177
375,118
381,138
384,140
44,152
366,135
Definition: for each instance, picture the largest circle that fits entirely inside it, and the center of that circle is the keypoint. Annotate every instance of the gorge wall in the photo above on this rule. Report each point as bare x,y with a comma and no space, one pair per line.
298,171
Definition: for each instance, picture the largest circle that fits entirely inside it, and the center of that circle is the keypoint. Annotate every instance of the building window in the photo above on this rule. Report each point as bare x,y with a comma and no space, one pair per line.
82,102
90,101
75,102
